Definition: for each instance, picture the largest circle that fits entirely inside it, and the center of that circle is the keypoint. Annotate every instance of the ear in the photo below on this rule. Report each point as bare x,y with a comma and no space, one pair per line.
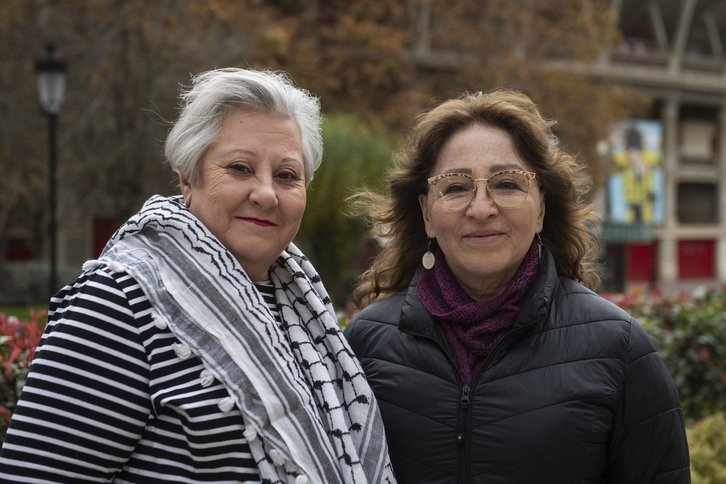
540,218
423,201
186,189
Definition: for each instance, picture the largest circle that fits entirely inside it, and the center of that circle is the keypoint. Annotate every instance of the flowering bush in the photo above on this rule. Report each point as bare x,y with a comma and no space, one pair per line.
18,340
689,331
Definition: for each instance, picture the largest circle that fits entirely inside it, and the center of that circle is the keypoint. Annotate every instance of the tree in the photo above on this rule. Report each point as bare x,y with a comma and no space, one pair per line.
355,154
126,60
381,60
522,44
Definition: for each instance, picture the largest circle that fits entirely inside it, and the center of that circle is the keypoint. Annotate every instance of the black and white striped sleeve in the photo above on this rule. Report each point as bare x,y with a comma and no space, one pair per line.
86,402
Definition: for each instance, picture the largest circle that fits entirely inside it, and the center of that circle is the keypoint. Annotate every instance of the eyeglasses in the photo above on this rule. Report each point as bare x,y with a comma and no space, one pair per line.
507,189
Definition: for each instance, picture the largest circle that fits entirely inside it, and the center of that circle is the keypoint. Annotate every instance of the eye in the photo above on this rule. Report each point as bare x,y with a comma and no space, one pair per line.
505,185
242,168
454,188
509,181
454,185
288,177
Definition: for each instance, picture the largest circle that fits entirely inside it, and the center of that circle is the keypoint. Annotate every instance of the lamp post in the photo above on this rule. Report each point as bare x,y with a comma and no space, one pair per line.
50,73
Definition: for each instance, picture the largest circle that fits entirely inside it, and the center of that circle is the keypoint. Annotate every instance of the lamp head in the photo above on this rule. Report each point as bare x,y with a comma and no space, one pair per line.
50,72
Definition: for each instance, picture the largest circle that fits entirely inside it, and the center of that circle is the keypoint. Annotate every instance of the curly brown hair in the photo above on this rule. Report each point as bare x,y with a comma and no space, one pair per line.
569,217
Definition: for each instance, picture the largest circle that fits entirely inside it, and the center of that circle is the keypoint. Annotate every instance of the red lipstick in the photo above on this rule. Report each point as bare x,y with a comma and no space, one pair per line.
257,221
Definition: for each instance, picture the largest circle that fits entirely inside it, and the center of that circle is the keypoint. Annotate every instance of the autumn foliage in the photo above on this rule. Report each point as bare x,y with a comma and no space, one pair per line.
379,61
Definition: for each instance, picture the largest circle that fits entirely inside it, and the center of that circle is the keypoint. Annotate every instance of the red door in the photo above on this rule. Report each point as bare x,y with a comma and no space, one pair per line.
103,229
695,259
641,262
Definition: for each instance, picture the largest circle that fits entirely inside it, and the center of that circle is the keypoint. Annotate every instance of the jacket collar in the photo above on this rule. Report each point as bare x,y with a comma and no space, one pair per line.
415,318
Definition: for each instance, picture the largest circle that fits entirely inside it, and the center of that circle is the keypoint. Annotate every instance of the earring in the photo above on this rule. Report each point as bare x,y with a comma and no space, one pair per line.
187,202
428,260
539,246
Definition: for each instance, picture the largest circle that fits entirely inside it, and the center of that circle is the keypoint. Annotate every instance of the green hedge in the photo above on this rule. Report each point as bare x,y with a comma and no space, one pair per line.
707,445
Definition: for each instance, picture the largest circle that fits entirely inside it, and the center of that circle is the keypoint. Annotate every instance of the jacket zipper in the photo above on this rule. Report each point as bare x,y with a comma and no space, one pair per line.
465,400
462,438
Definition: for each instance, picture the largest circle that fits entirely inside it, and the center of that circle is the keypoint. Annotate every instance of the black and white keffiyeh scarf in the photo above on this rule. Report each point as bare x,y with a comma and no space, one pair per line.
309,412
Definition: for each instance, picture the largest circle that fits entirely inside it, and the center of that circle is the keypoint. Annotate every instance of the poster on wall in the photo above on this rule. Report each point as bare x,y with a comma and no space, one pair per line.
635,181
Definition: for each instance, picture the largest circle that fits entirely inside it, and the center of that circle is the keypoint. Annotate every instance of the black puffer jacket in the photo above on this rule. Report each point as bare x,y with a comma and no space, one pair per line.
575,393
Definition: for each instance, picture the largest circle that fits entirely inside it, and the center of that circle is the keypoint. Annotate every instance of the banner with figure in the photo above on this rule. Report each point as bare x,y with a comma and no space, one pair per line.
635,182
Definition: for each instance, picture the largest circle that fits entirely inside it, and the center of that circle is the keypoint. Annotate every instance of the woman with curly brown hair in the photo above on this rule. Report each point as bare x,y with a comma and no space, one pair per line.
490,355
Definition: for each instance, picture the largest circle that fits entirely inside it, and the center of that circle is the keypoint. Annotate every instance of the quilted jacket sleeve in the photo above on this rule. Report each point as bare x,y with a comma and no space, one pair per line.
648,439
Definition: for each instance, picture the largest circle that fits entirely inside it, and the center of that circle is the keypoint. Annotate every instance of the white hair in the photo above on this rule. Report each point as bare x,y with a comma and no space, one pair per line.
217,93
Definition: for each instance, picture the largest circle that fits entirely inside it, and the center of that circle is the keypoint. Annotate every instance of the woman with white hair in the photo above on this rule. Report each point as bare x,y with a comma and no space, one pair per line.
202,346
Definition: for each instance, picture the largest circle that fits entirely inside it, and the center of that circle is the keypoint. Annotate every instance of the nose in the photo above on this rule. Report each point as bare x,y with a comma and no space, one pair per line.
482,204
263,192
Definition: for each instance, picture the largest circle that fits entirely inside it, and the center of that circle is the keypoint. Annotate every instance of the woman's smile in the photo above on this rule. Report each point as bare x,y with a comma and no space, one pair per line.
484,235
257,221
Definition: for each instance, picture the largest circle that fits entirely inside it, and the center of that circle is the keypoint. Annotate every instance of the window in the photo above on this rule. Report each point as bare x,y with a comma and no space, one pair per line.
697,203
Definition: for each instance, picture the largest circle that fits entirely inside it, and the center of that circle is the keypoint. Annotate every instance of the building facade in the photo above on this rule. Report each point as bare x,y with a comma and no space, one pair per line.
674,51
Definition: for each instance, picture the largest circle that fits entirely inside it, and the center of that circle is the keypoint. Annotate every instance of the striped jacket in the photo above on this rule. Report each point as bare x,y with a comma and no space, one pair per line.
109,399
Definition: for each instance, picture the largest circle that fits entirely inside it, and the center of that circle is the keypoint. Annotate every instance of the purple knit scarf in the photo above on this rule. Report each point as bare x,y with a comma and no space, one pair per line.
474,327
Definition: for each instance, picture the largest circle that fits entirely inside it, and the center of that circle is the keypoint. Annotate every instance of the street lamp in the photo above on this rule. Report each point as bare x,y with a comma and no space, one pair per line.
50,72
